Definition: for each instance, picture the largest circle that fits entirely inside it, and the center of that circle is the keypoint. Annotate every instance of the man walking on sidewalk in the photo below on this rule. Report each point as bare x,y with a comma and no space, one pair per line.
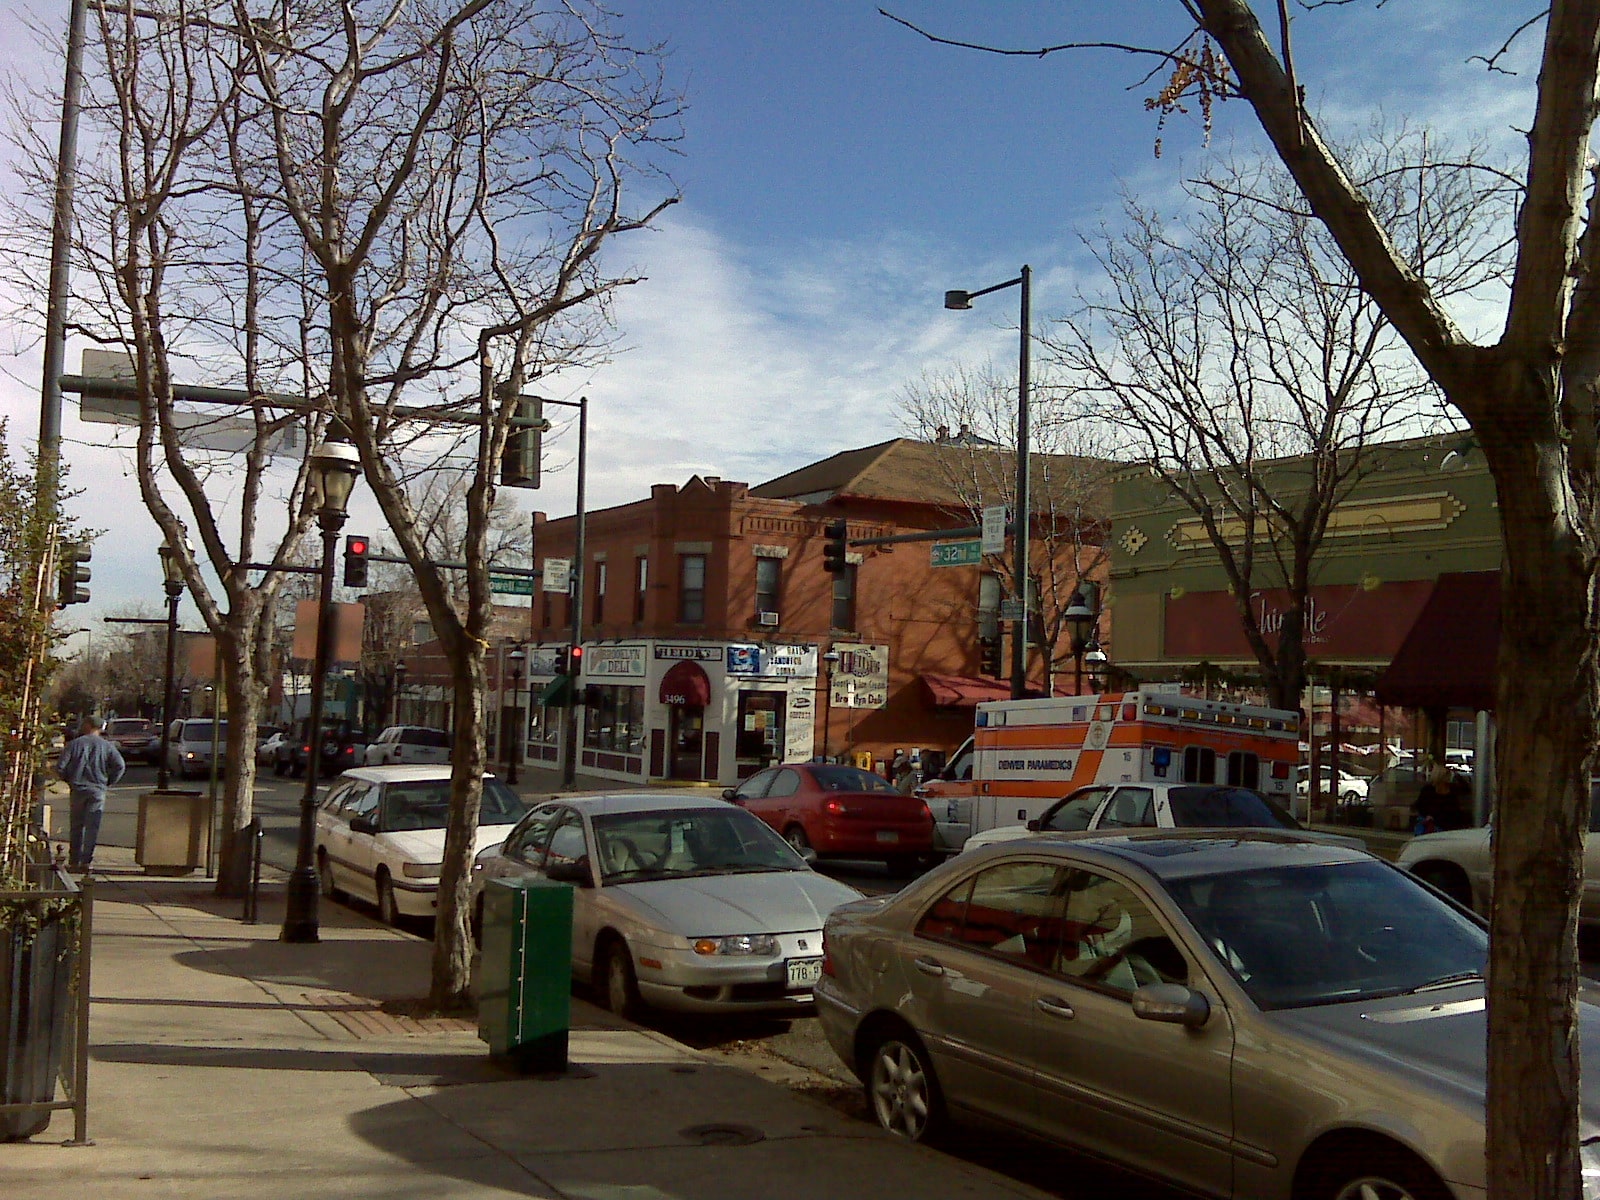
89,764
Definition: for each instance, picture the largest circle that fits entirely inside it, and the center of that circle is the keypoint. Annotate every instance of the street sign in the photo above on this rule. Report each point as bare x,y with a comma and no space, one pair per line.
557,574
994,529
511,585
1011,609
956,554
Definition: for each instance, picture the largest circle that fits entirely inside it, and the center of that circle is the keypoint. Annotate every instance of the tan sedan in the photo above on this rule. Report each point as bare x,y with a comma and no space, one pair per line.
1254,1016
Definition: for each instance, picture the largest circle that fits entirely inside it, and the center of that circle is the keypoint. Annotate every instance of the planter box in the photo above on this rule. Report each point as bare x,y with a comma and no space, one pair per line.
36,1007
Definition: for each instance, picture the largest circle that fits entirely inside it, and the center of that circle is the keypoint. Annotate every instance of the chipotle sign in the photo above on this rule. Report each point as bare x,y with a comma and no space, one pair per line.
1341,620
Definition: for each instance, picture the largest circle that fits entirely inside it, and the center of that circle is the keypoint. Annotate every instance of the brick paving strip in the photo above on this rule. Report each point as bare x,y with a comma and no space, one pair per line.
364,1017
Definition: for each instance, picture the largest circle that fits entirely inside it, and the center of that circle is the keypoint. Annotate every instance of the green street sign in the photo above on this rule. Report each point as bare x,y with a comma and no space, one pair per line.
957,554
512,585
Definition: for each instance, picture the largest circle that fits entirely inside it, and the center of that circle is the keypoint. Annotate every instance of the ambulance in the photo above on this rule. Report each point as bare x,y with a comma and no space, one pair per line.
1026,754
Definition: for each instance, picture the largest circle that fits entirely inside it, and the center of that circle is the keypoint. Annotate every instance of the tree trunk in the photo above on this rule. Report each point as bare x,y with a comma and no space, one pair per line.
452,943
1547,713
235,646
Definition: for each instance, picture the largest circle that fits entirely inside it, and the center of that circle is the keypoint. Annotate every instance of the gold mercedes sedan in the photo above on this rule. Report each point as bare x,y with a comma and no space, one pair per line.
1247,1015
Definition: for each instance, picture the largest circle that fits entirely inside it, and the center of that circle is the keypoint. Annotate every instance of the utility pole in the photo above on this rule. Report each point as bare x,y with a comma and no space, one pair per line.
569,747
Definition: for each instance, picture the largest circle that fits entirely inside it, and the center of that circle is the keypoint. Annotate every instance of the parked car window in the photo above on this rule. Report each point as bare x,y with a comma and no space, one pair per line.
833,778
961,768
1329,933
1015,911
567,843
944,917
425,804
784,783
200,731
1110,938
527,840
683,842
1198,807
755,787
362,801
1130,808
335,797
436,738
1076,811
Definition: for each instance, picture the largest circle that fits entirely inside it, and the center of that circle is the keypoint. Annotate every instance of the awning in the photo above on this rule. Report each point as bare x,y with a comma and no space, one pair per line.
554,692
1448,659
964,691
686,684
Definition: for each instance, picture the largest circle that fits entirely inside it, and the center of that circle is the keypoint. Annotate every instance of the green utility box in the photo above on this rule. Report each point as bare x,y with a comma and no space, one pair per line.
525,974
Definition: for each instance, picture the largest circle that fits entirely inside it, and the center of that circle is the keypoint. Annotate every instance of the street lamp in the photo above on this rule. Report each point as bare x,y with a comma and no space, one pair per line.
1095,662
172,573
829,660
1081,620
516,658
334,468
960,300
399,682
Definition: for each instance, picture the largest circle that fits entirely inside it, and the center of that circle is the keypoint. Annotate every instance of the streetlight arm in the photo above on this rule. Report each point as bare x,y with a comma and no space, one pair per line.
970,296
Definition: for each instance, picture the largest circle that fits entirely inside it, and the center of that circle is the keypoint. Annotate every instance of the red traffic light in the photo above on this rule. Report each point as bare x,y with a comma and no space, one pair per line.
577,654
356,545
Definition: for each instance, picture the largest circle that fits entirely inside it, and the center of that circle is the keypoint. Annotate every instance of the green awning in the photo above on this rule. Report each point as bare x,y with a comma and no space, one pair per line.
556,691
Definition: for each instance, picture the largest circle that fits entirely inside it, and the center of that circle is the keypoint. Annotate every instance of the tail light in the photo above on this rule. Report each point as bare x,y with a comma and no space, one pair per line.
836,807
827,959
928,811
1280,770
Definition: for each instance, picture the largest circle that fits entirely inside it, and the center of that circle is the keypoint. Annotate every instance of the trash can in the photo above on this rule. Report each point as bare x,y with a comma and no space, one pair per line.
174,833
525,973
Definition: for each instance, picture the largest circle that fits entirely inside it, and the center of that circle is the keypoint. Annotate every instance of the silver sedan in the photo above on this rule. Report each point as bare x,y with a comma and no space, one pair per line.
680,902
1254,1016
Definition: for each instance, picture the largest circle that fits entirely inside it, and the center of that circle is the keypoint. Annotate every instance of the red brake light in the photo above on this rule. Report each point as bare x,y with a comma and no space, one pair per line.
833,806
827,959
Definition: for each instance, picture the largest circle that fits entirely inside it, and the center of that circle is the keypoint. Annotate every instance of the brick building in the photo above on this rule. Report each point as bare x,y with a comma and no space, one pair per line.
709,620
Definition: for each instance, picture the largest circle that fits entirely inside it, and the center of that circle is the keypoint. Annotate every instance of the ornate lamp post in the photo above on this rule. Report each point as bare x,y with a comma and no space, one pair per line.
516,658
172,570
399,682
1081,620
829,661
335,467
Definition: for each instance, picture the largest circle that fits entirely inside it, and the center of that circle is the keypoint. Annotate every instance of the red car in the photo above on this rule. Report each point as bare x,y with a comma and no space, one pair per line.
839,810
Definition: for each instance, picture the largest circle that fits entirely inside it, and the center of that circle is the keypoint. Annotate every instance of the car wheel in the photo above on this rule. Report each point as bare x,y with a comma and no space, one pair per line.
388,910
797,838
325,882
1448,878
902,1090
1373,1171
620,983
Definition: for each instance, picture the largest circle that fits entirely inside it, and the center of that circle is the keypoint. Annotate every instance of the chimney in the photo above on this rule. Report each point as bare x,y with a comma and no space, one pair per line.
942,434
965,435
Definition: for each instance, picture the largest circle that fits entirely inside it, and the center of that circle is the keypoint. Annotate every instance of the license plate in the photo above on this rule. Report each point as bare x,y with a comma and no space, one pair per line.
888,835
804,972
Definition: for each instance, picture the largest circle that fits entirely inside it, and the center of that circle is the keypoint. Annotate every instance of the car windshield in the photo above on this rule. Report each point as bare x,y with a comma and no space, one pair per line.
425,804
1211,807
849,779
680,842
200,731
123,728
1325,934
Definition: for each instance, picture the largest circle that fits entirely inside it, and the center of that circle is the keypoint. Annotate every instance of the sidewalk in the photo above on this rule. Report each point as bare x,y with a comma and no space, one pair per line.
226,1064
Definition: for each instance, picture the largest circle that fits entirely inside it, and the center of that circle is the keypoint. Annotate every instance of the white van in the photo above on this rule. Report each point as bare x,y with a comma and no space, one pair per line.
409,745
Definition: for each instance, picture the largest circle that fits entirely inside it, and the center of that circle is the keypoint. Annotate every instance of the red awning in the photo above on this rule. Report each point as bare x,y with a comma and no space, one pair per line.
963,691
1448,659
686,684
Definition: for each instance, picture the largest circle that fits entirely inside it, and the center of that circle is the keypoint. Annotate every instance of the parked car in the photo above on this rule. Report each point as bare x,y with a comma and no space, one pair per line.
341,750
1253,1015
680,903
131,734
1347,789
409,744
840,811
1459,862
267,750
380,835
1159,806
189,746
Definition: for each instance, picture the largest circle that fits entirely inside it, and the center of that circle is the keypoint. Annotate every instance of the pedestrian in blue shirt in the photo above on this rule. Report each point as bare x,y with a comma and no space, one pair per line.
89,764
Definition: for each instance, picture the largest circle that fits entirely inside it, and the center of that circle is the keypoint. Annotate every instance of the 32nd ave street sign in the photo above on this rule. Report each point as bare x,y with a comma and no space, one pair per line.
957,554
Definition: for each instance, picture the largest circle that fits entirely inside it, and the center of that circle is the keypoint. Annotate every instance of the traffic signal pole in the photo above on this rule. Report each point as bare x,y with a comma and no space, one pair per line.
569,744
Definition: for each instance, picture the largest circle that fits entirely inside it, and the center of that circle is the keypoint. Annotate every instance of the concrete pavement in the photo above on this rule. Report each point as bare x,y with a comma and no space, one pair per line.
227,1064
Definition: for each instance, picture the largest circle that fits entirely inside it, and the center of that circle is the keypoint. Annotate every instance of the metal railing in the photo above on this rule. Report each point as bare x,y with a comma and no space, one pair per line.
73,1070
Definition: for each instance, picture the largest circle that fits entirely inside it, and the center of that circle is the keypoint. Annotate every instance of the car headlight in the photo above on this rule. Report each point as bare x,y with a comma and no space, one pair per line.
421,870
762,944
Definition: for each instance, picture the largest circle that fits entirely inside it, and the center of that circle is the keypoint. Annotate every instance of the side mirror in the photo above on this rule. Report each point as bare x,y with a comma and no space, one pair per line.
810,856
576,873
1033,825
363,825
727,794
1171,1004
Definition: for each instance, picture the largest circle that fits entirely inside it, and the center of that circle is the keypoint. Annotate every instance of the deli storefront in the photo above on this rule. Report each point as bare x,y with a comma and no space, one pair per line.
703,711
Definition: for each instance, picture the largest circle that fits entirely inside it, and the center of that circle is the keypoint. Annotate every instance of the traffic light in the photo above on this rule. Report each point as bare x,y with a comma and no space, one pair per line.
73,574
355,561
833,554
519,466
990,659
569,661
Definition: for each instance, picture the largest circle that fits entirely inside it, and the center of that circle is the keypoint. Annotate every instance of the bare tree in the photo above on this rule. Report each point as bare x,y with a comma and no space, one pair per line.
1530,396
970,417
1236,353
452,172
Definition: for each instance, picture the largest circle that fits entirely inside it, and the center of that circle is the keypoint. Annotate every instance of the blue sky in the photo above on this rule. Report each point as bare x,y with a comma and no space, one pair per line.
838,172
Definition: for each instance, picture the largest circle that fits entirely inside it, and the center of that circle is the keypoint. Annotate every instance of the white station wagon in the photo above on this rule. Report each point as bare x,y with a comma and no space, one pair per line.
380,835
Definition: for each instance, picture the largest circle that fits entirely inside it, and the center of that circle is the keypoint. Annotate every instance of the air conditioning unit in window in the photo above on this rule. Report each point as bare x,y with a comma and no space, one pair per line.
769,618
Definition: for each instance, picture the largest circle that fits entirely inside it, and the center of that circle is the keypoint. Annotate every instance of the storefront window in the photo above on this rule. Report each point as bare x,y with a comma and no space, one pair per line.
544,725
616,720
759,742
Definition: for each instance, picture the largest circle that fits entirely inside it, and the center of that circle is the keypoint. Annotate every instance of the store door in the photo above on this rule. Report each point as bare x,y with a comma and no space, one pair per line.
759,740
687,734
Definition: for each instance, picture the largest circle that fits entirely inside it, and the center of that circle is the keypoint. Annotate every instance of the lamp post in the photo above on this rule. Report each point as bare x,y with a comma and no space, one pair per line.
960,300
334,468
829,660
399,682
1095,662
1081,620
517,657
172,571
